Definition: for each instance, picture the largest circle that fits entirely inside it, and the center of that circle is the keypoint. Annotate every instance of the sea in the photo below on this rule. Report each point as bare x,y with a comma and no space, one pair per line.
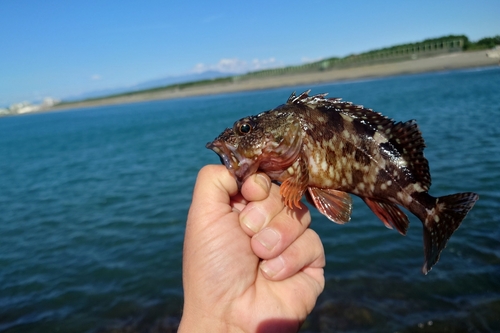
93,205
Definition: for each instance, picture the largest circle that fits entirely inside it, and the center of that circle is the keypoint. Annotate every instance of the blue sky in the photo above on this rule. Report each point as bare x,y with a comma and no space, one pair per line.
64,48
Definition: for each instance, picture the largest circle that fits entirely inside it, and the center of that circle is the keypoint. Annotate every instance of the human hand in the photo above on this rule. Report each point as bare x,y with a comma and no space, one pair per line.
227,287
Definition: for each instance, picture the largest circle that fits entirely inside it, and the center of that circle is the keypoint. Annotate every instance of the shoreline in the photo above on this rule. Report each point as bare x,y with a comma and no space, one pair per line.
452,61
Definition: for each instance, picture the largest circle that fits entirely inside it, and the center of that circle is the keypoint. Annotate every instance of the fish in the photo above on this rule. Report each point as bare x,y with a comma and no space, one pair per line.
326,149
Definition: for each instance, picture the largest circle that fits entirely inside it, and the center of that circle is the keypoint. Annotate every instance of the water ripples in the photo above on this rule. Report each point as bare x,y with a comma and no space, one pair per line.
94,203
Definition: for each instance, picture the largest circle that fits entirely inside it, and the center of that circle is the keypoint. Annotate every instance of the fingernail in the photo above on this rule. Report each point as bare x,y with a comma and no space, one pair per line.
268,238
253,219
263,182
273,266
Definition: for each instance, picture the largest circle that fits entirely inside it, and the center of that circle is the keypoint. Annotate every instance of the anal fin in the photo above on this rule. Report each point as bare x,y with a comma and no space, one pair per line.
336,205
390,214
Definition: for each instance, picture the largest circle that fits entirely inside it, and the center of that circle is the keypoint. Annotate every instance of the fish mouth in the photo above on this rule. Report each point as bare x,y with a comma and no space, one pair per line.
226,155
239,166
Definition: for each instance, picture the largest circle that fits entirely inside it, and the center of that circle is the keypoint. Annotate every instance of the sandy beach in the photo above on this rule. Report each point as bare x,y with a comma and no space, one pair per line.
439,63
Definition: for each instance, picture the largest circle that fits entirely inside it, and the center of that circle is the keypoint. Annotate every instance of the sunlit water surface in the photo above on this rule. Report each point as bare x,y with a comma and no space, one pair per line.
93,205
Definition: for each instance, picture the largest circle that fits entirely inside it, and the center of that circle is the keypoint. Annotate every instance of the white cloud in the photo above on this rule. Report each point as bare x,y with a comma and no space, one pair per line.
95,77
265,63
235,65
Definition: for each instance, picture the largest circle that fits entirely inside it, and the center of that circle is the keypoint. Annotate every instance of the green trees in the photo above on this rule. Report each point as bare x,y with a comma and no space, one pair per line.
483,44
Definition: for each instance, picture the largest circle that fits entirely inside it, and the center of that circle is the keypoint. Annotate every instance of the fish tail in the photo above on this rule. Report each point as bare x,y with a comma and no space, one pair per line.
441,221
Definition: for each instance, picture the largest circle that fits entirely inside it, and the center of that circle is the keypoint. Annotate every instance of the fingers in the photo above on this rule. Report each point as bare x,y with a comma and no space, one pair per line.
281,231
255,188
258,214
304,253
272,226
280,235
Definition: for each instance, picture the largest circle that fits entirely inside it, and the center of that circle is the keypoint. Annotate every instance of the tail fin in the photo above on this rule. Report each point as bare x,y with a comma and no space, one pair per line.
442,221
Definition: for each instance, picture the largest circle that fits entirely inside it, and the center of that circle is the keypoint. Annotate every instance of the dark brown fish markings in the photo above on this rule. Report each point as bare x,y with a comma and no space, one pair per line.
326,148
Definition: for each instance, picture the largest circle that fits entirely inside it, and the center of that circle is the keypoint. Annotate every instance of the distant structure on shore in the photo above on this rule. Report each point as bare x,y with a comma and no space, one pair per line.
494,53
425,49
27,107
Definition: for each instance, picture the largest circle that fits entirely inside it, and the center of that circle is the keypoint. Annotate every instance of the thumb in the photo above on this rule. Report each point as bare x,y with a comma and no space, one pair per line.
212,194
257,187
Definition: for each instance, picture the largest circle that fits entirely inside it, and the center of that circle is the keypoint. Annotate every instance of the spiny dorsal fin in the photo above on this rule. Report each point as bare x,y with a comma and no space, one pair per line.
313,101
335,104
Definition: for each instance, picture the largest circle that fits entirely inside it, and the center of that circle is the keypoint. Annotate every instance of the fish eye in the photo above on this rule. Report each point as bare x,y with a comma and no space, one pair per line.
245,128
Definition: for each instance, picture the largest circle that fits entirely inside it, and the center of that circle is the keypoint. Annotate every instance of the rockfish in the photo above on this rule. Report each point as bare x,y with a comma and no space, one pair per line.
325,148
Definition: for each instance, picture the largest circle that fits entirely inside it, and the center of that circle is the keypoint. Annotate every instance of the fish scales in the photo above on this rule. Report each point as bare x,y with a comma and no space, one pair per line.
326,148
355,159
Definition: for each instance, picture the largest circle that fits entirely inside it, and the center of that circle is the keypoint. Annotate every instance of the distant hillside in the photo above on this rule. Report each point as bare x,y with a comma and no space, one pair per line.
151,84
424,49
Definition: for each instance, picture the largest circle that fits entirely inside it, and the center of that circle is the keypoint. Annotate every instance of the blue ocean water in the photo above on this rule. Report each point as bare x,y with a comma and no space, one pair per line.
93,205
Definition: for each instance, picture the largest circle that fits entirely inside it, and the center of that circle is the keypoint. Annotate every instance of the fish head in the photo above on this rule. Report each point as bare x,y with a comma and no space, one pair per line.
269,142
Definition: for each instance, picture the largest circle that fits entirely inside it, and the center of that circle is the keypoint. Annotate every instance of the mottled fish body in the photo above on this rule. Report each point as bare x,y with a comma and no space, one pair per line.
325,148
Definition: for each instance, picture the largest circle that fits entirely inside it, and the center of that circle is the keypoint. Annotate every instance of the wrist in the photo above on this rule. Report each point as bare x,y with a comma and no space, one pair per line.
197,321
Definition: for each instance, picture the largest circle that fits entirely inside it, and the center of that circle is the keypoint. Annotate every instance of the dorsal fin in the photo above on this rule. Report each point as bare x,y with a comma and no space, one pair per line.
312,101
407,139
377,121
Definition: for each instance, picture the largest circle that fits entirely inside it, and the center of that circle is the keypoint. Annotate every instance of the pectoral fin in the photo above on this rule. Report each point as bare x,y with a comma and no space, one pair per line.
291,192
390,214
295,185
336,205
